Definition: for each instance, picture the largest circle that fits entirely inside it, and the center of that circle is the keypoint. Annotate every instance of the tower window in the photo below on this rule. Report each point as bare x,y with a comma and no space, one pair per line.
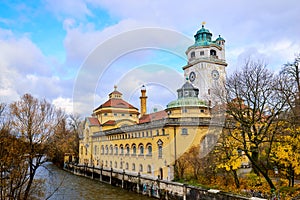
213,52
201,53
193,54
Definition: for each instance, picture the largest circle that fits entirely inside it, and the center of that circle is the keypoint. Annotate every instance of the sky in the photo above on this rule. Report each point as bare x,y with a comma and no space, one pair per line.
73,52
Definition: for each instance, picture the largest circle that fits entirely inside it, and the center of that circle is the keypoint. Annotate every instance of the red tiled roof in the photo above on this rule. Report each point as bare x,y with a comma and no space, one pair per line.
93,121
153,116
110,122
116,103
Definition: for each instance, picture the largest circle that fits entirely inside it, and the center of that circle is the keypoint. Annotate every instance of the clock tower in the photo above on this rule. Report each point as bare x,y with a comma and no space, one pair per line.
206,64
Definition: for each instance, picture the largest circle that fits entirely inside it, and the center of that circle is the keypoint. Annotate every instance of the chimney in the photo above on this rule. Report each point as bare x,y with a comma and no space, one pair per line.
143,101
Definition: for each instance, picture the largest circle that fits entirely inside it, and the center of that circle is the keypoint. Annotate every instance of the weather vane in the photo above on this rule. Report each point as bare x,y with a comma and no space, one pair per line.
203,23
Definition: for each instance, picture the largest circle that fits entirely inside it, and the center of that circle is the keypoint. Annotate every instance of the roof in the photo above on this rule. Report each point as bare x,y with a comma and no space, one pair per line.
153,116
93,121
187,101
110,122
116,103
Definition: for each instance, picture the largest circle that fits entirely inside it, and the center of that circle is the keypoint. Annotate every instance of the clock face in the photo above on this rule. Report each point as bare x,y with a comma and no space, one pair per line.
215,74
192,76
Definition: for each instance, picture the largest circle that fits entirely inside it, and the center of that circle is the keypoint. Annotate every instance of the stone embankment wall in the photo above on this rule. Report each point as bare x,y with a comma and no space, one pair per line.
146,185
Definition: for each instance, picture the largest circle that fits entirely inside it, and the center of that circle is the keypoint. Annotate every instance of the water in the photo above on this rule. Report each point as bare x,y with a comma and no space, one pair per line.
80,188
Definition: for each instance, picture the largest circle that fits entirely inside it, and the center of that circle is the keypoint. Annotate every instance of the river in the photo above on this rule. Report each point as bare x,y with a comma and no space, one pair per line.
80,188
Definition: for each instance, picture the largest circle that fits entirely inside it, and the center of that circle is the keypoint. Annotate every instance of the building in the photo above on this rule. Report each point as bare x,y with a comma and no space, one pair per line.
120,136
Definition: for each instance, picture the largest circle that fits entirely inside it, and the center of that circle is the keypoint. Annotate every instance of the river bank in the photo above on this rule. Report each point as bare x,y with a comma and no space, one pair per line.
149,186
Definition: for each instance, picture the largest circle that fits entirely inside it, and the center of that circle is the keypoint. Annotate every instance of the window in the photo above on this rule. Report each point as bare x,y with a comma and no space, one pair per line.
121,150
193,54
160,151
116,150
111,150
184,131
106,149
105,114
149,150
110,163
123,114
201,53
184,110
133,149
127,149
115,114
116,164
141,168
81,150
102,149
213,52
106,163
121,165
133,167
202,111
95,150
141,148
127,166
130,115
163,131
157,132
208,91
159,146
149,169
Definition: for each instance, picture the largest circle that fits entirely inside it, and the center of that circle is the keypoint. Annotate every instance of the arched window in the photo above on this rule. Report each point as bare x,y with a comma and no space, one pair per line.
102,149
133,149
121,165
213,52
149,169
111,151
121,149
127,166
141,168
116,164
106,163
110,163
106,149
141,149
116,150
149,150
192,54
127,150
133,167
159,146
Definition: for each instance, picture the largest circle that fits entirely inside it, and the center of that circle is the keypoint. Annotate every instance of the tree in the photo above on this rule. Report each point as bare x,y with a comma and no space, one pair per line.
33,121
229,156
253,105
291,82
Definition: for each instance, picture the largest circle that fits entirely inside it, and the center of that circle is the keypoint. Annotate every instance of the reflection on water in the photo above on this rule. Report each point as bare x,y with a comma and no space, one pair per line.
75,187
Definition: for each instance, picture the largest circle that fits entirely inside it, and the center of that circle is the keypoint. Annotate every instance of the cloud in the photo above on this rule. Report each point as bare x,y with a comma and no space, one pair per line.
76,8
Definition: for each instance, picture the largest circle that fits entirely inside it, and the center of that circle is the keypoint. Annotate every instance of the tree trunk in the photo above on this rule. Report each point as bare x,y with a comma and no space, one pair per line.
236,179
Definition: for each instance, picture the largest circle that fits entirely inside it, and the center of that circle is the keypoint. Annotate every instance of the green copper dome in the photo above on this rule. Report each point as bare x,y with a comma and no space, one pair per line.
186,101
203,37
187,96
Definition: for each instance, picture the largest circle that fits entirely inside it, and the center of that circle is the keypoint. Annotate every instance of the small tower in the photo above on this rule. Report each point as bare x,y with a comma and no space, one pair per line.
143,98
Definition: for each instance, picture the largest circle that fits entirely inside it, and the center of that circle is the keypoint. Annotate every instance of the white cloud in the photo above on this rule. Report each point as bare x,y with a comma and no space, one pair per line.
65,104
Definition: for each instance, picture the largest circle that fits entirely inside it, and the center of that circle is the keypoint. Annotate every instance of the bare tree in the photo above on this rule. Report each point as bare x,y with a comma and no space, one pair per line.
253,105
33,121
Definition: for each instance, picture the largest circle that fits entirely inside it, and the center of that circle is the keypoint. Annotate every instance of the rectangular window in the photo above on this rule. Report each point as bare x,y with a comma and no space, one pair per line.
105,114
123,114
184,131
115,114
201,53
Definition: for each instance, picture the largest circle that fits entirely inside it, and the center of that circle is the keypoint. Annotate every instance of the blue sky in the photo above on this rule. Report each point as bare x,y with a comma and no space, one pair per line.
44,45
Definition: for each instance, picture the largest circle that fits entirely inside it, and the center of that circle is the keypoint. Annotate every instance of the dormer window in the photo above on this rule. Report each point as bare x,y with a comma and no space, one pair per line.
213,52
